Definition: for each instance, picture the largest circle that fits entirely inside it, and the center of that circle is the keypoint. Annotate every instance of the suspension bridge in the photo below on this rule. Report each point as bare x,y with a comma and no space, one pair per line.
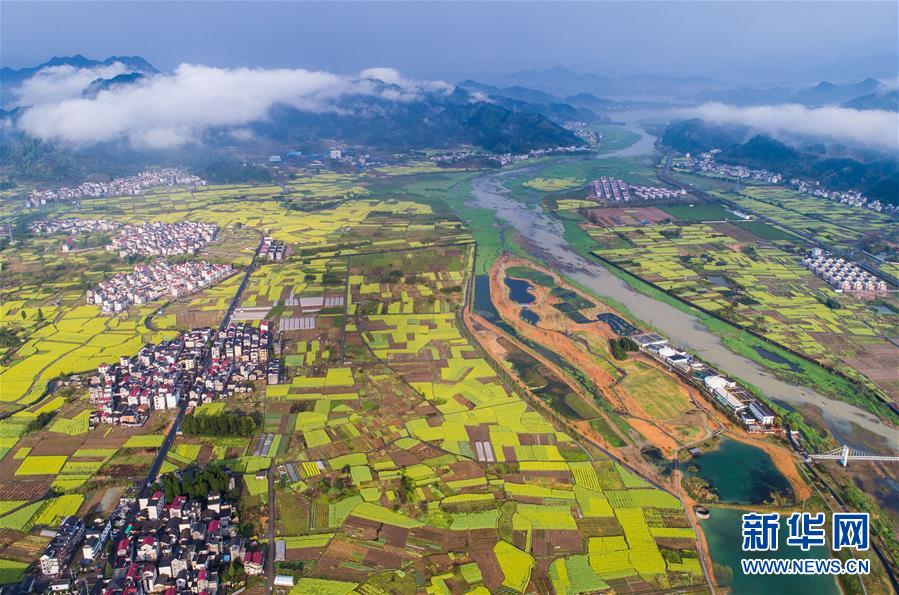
844,454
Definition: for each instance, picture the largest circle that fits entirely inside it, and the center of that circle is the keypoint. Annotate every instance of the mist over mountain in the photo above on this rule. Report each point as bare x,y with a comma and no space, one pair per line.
10,76
62,109
840,168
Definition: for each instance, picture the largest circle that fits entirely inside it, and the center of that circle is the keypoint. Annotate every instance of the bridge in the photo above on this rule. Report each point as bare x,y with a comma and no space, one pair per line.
844,454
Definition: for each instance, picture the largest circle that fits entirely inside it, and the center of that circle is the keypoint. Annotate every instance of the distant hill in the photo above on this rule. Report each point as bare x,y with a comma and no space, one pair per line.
433,121
875,177
824,93
761,151
885,100
523,100
696,136
9,76
120,80
563,82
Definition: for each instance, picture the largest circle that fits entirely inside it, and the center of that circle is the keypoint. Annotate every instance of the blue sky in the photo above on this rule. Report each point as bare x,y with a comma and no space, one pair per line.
453,40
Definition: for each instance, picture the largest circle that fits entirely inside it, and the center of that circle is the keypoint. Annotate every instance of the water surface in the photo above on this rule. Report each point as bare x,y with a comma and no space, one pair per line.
546,241
741,473
723,534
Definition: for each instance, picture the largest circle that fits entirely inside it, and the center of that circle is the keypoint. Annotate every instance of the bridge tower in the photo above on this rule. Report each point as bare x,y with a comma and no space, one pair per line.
844,455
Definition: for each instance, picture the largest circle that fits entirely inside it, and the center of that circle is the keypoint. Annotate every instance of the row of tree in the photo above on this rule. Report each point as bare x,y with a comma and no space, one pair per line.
222,424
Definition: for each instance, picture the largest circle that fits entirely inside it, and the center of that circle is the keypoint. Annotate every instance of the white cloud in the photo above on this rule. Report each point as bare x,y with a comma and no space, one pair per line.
871,128
168,110
55,83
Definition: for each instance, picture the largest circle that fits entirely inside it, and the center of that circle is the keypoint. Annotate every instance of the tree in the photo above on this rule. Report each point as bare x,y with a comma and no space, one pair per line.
618,352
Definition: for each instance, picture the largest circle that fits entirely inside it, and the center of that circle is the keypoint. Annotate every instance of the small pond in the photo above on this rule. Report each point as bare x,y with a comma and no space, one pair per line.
740,473
520,291
529,316
777,359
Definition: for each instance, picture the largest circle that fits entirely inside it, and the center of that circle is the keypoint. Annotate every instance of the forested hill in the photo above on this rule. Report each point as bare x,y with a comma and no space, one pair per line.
876,177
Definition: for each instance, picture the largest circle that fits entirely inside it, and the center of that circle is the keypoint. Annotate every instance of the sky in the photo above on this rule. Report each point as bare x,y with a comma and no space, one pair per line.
730,41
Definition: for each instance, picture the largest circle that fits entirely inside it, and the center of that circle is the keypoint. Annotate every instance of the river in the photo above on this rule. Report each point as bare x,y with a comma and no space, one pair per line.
545,235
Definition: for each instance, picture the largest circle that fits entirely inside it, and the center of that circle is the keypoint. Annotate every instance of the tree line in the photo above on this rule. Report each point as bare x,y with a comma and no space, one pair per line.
221,424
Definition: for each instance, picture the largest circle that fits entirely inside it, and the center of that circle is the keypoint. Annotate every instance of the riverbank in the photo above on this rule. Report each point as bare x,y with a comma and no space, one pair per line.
545,240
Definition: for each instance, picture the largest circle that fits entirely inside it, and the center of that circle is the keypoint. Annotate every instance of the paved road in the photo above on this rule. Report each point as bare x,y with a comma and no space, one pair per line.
270,563
182,408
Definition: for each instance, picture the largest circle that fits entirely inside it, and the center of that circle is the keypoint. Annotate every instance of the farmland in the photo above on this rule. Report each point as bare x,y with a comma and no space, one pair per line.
760,286
391,435
410,429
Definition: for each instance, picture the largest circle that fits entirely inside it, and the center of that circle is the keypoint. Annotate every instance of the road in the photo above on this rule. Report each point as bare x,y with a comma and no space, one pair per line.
270,562
182,408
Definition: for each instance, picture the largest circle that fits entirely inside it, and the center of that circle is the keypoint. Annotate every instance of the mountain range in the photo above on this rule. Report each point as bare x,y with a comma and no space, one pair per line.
375,120
648,90
9,76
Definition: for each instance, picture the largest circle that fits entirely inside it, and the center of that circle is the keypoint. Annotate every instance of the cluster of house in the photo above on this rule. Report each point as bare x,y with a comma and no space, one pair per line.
853,198
705,163
845,276
238,357
158,546
583,132
163,239
200,366
615,190
176,547
272,249
132,185
732,398
505,158
72,226
62,547
358,161
156,378
150,282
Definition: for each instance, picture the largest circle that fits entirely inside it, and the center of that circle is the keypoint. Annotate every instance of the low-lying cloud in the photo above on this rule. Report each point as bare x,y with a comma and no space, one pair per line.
169,110
870,128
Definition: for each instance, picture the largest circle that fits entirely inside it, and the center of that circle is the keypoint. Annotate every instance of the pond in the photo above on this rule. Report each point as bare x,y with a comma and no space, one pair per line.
777,359
529,316
724,536
519,291
740,473
483,305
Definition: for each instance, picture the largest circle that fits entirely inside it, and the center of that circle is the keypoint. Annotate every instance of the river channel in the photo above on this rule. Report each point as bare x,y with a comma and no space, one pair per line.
545,240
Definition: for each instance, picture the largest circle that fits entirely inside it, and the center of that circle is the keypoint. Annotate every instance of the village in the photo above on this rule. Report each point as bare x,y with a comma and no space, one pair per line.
181,545
130,186
504,158
705,163
151,282
615,190
163,239
72,226
845,276
198,367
